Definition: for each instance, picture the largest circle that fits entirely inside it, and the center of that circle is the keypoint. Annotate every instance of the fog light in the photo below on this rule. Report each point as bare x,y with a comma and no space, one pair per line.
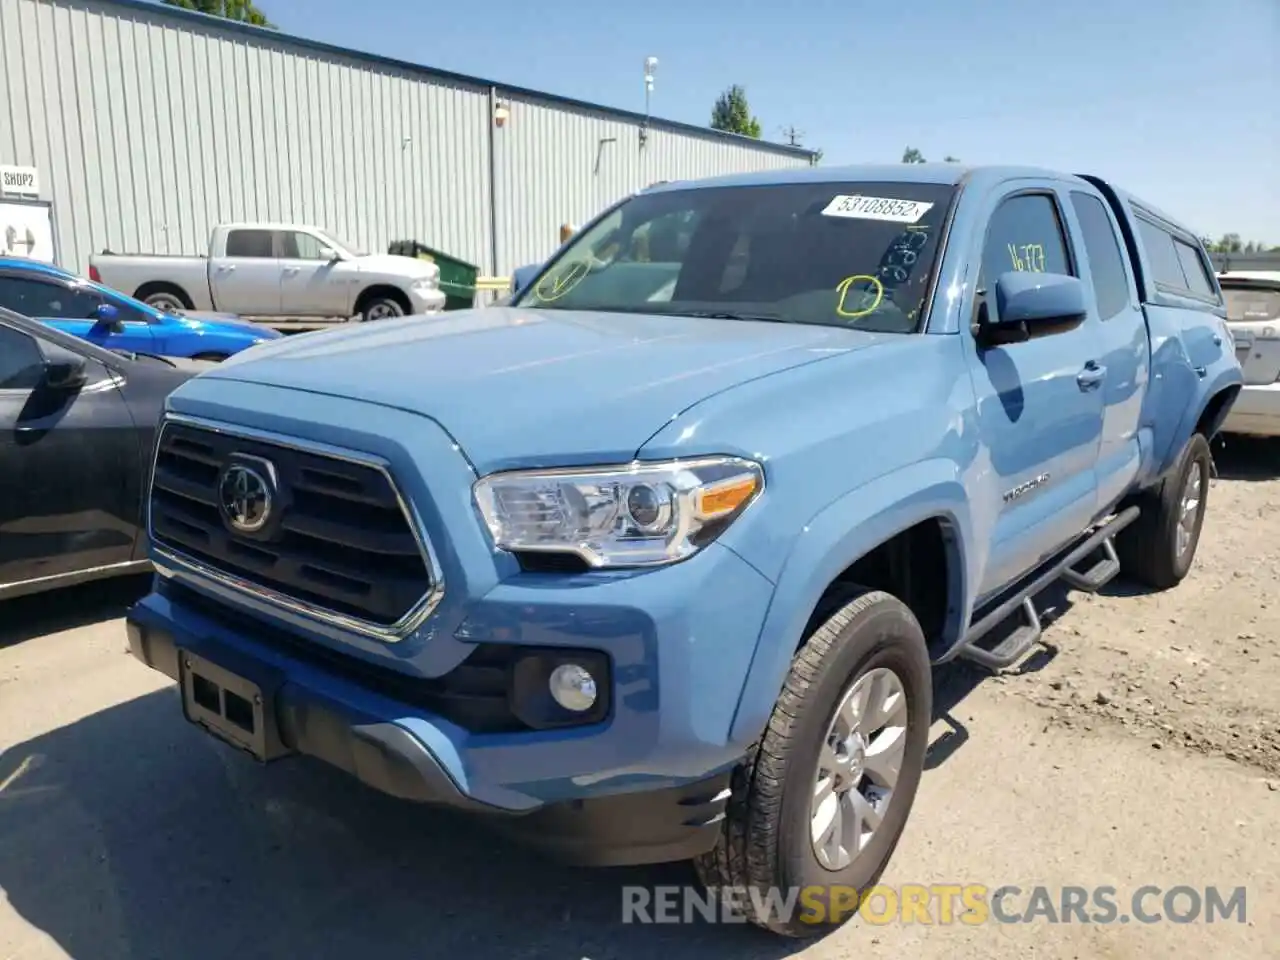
573,687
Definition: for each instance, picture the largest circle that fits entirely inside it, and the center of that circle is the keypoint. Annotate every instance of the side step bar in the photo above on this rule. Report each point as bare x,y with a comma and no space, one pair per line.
1015,646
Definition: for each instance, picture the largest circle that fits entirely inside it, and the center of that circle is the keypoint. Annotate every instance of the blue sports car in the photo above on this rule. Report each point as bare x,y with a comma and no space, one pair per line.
115,321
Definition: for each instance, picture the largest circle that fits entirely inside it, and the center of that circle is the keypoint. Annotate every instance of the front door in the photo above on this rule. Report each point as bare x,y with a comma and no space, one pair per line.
312,284
70,462
1039,406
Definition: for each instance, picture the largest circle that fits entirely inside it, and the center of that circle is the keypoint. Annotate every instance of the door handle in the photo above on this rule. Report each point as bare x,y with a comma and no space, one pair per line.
1092,375
290,271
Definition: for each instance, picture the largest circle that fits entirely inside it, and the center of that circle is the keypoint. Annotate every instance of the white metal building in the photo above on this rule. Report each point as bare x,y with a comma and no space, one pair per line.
146,125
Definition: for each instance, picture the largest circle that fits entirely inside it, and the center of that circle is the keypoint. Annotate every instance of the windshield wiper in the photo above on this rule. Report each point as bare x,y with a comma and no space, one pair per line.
729,315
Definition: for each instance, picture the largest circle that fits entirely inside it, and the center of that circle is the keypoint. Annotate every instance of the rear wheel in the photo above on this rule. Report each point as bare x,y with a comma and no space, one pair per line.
211,357
1157,549
166,298
820,802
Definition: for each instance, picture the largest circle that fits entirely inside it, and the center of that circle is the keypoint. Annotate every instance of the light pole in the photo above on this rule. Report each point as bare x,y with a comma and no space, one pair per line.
650,67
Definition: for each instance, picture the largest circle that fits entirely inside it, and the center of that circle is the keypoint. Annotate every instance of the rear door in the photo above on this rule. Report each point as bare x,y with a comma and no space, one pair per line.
1124,344
1253,314
71,465
246,278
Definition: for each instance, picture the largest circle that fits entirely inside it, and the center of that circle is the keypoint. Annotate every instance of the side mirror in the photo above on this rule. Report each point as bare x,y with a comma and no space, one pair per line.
521,277
1028,304
107,318
330,254
63,370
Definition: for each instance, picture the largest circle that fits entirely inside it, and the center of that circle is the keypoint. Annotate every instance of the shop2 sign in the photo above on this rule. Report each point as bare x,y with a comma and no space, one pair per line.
19,181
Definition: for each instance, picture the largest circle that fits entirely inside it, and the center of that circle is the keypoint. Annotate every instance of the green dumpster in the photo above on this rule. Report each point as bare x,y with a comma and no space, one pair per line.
457,277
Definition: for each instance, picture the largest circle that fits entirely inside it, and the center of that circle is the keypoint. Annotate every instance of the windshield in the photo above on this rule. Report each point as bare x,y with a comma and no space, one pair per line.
1251,303
348,248
853,255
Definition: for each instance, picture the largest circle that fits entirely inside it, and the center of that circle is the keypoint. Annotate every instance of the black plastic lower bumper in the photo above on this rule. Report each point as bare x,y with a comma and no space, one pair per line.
250,705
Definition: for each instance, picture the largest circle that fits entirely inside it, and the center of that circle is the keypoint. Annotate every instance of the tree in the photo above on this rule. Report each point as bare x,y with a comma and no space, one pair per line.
731,113
241,10
912,155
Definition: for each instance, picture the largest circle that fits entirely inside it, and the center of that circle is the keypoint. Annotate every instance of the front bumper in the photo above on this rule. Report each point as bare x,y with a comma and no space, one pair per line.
1256,411
426,299
648,784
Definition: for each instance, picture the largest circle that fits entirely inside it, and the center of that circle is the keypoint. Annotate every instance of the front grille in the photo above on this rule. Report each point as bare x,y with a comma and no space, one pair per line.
337,538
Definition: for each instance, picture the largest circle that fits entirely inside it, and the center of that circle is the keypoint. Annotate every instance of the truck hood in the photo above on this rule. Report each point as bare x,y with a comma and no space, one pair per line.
519,387
410,268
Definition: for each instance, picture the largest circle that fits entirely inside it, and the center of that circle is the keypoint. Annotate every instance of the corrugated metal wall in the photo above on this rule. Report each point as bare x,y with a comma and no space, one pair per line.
149,128
559,165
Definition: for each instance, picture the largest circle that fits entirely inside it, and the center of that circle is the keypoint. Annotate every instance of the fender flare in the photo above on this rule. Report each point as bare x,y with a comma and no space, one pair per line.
836,536
1225,380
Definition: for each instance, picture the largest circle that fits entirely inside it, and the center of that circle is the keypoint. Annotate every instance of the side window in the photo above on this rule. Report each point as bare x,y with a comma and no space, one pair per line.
1166,268
250,243
1193,268
299,246
1025,235
1106,262
45,300
129,313
20,360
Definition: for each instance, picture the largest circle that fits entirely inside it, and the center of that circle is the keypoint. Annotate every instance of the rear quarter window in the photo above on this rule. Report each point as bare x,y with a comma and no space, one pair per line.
1193,268
1177,266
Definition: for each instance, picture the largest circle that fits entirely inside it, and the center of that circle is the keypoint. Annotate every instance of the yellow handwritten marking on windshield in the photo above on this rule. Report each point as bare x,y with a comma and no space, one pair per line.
873,296
1027,257
552,288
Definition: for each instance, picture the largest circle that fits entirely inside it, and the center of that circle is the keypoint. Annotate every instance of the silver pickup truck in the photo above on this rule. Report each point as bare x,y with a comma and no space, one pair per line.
277,270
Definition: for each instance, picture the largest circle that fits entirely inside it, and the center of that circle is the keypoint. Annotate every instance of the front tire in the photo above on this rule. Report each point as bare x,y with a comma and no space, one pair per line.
1158,548
381,308
820,802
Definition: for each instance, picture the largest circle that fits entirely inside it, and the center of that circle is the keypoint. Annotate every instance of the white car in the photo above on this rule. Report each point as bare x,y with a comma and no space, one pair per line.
277,270
1253,314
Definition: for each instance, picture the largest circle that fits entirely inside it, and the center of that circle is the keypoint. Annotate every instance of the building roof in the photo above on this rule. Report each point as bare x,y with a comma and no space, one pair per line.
263,33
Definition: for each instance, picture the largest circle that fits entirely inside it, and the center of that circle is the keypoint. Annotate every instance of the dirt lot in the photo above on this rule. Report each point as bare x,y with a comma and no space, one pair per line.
1143,749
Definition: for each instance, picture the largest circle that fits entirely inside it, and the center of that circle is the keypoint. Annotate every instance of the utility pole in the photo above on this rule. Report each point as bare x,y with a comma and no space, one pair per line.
793,135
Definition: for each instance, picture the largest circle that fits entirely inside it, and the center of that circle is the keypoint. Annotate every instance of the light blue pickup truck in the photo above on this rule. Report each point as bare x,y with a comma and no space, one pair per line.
654,563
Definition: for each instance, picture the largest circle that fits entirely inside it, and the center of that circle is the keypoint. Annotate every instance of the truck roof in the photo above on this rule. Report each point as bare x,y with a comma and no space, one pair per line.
939,173
267,225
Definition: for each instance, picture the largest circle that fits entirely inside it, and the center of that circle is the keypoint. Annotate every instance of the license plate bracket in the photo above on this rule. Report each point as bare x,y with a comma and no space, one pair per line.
230,706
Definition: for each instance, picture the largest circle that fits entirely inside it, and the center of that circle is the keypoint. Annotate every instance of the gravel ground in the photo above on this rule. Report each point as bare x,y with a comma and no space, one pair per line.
1142,747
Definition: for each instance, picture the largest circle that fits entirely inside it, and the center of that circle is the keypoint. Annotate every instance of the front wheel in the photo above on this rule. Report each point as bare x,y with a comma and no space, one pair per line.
820,802
1159,547
381,308
210,357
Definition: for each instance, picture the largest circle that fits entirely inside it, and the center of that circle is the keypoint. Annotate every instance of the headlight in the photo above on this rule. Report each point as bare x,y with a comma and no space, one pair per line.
639,514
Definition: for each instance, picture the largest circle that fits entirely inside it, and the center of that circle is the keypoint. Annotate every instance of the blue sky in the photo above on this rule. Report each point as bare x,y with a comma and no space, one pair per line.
1175,100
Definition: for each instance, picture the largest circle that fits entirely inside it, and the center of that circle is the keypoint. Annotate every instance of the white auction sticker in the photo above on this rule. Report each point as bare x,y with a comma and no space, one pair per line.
859,207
